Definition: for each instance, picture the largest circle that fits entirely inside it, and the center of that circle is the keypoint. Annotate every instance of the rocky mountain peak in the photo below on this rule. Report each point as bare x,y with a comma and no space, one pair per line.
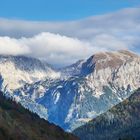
112,60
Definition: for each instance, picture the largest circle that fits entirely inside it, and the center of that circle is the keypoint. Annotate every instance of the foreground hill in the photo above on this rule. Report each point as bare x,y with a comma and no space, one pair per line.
16,123
122,121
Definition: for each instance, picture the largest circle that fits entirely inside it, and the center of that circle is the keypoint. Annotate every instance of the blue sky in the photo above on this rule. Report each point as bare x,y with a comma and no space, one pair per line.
60,9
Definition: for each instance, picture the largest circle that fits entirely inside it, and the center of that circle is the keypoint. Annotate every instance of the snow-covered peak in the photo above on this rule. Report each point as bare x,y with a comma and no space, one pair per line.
25,63
18,70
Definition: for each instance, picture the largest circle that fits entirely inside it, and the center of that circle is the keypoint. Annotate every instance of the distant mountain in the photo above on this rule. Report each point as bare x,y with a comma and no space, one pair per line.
90,88
120,122
17,123
19,70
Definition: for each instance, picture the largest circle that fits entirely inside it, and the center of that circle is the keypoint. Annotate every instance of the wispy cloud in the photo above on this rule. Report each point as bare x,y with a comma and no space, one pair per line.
65,42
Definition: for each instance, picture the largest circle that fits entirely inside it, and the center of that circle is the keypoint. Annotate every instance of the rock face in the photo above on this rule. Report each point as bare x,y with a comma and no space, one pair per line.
120,122
17,123
102,81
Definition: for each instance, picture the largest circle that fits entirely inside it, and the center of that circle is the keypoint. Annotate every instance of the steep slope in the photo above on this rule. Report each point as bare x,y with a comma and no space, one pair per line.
16,123
18,70
121,121
104,80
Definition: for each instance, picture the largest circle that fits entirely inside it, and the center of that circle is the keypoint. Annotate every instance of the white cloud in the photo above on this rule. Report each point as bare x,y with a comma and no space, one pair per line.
9,46
57,49
108,42
62,43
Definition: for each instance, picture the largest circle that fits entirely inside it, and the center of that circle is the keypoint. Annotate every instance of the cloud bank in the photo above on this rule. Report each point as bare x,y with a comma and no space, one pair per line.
62,43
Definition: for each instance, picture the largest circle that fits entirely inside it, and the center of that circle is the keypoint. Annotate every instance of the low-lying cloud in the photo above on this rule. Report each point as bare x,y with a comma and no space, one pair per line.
63,43
57,49
11,46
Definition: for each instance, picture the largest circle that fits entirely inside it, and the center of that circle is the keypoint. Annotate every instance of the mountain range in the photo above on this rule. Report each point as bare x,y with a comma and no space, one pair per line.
71,96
